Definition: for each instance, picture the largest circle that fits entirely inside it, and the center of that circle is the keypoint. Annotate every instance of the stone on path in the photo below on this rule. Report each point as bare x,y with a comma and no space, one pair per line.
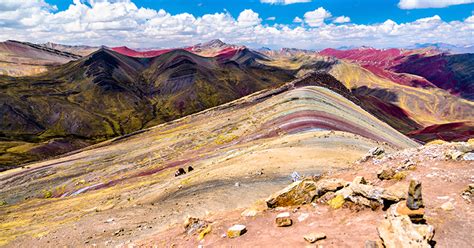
283,219
236,231
313,237
447,206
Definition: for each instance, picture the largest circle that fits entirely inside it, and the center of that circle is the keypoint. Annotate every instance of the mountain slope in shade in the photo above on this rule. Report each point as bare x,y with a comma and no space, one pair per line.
300,126
107,94
24,58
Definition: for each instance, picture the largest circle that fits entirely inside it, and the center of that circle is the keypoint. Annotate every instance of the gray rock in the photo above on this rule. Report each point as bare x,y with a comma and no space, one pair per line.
414,200
468,156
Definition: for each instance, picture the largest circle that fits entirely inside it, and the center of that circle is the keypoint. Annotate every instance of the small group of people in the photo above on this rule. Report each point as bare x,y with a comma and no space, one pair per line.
181,171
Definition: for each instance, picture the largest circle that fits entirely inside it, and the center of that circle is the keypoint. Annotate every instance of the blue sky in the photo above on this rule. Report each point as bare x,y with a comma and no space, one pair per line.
308,24
360,11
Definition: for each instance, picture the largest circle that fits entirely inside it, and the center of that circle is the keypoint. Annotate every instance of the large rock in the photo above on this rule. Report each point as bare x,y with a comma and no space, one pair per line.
414,200
386,174
371,196
297,193
398,231
303,192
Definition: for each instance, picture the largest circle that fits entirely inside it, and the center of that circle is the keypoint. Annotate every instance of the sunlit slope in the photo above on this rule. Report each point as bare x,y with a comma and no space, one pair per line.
107,94
426,106
257,140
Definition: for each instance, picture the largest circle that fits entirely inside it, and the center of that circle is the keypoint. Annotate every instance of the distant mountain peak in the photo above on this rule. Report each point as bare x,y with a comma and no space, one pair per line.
213,43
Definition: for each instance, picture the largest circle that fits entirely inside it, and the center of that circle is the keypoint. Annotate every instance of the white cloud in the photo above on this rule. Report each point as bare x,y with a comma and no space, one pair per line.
342,19
297,20
120,23
248,18
271,18
316,17
284,2
421,4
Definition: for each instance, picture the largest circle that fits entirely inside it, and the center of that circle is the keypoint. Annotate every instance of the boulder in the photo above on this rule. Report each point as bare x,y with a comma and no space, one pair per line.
313,237
398,231
394,193
376,151
297,193
386,174
236,231
370,196
193,225
283,219
329,185
468,156
414,199
368,191
304,192
336,202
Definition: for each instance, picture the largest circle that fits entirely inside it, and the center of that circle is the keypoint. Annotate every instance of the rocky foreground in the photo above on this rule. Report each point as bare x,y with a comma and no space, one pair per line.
417,197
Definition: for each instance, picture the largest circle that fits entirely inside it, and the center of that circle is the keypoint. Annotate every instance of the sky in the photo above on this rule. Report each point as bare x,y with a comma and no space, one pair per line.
308,24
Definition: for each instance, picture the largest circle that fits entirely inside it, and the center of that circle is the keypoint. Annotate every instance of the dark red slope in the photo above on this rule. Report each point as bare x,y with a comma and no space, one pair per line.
418,68
454,73
379,62
457,131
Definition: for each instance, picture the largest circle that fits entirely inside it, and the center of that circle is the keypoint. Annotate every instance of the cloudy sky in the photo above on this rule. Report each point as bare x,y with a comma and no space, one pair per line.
310,24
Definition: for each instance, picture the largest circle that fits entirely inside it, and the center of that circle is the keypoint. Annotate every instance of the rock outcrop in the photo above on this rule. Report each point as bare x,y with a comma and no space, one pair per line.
303,192
397,230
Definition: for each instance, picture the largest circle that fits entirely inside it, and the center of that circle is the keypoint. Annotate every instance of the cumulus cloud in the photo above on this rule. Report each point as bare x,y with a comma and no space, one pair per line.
316,17
121,22
284,2
297,20
421,4
342,19
248,18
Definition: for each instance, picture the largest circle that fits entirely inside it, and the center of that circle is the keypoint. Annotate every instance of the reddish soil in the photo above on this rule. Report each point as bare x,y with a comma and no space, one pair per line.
443,180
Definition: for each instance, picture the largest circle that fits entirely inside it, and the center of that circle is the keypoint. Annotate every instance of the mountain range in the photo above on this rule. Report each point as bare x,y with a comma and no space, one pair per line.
75,96
113,146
